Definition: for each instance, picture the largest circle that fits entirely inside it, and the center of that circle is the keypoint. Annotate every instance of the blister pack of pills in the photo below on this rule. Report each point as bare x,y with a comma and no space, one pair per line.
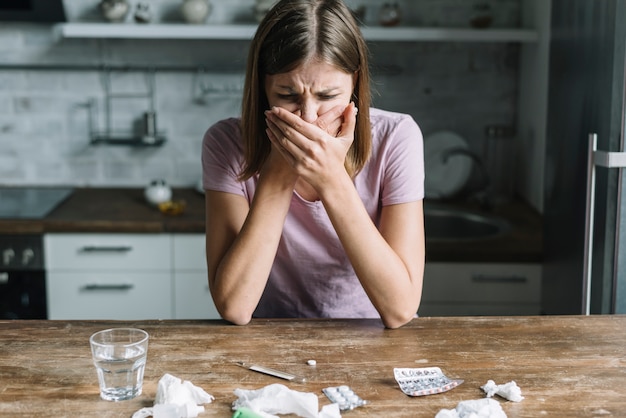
344,396
424,381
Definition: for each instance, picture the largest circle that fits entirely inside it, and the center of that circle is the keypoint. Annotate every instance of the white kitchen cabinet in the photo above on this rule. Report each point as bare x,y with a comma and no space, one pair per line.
481,289
127,276
107,252
109,295
191,288
108,276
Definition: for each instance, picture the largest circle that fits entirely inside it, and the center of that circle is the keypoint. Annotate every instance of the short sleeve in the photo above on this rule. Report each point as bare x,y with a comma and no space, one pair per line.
222,157
403,179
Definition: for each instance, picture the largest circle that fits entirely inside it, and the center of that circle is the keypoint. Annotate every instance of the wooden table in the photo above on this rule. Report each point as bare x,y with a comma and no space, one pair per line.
566,366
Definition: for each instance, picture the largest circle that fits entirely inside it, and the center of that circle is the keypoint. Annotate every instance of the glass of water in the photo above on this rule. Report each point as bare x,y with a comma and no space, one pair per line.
119,355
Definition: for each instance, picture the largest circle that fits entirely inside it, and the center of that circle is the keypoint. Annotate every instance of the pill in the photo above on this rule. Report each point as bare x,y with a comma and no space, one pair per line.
311,362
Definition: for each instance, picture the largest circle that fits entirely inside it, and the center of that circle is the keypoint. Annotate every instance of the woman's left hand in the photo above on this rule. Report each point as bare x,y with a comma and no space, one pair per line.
316,151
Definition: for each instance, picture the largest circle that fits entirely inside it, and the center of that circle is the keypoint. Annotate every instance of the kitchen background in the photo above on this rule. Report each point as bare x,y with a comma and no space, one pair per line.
48,86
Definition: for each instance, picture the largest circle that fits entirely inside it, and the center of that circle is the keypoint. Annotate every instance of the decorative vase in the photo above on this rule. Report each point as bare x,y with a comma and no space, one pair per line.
114,10
143,14
195,11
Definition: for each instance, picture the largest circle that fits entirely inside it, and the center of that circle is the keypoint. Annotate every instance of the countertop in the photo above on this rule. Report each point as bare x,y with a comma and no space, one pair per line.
568,366
124,210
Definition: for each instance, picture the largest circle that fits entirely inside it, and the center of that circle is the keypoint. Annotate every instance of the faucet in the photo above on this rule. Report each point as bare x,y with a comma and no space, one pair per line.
482,192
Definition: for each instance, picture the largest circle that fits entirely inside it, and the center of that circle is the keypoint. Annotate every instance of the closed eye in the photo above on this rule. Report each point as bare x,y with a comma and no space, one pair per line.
288,96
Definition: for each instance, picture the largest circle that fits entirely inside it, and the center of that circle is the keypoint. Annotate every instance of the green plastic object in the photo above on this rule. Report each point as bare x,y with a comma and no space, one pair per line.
244,412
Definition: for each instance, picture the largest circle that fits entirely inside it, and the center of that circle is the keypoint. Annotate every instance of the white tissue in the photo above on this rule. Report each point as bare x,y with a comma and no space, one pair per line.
509,391
279,399
479,408
176,399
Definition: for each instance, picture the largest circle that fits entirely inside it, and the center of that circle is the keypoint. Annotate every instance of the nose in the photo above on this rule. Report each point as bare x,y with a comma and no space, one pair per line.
308,111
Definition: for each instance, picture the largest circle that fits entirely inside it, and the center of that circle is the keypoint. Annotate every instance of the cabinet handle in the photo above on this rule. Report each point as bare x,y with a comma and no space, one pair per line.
485,278
98,287
600,159
114,249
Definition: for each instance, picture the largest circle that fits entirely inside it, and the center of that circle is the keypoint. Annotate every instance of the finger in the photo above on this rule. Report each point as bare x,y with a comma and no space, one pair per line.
331,121
280,140
349,120
278,146
289,127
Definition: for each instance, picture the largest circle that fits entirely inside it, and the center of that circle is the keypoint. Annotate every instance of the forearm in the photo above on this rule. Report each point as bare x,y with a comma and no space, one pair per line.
392,278
242,273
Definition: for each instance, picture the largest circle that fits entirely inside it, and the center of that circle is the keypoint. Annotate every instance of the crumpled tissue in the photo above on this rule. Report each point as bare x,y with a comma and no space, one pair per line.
509,391
478,408
176,399
279,399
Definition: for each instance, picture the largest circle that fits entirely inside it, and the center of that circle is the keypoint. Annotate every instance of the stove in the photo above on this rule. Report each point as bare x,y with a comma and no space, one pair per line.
30,202
22,277
22,266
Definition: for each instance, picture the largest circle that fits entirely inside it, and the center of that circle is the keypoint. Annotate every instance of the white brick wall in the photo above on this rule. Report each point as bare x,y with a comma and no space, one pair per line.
44,137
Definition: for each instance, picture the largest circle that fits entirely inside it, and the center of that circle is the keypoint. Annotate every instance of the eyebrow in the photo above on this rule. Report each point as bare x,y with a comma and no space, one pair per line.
325,91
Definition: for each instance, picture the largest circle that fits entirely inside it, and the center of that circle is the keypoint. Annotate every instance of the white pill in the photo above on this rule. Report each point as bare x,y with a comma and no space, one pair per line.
311,362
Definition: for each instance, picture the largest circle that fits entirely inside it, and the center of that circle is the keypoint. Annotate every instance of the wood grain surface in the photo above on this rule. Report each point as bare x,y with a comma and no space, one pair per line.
572,366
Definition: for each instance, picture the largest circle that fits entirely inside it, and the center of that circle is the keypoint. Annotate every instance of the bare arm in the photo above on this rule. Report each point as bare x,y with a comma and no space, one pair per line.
242,243
242,239
389,262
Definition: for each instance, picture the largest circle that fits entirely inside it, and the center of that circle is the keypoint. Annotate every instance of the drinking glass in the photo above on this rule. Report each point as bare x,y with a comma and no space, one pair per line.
119,355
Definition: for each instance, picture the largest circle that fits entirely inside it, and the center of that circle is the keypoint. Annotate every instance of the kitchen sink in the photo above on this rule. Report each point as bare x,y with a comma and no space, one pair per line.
443,223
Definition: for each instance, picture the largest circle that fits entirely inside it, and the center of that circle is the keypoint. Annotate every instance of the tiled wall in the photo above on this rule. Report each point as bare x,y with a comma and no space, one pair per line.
44,134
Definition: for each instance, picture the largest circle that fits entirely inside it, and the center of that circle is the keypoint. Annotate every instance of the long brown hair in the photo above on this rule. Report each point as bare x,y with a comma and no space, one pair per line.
291,32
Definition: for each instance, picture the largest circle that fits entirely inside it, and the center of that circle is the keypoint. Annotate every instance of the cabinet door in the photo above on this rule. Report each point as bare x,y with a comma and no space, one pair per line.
192,296
189,252
107,251
109,295
481,289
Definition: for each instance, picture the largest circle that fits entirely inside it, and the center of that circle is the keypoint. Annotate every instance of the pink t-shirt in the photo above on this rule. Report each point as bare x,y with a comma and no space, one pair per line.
311,276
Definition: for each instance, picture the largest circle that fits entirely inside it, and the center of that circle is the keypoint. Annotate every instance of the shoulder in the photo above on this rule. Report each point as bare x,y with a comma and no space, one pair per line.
380,116
388,126
225,135
225,128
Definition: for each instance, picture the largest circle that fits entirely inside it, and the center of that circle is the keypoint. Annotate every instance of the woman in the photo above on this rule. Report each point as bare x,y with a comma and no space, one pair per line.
313,203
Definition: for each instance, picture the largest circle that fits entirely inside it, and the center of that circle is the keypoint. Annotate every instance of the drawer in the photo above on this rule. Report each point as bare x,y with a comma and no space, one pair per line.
192,297
478,282
189,252
107,252
131,296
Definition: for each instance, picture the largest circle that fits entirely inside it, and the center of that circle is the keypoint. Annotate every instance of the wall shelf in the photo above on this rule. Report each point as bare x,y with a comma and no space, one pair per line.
246,32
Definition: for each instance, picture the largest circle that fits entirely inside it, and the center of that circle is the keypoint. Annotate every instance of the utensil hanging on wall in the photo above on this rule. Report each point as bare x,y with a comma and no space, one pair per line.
148,135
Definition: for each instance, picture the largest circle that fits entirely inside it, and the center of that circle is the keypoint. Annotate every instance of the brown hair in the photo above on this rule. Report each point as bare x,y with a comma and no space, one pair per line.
291,32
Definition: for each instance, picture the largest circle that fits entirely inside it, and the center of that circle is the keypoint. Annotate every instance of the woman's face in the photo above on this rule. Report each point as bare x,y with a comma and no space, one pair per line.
310,90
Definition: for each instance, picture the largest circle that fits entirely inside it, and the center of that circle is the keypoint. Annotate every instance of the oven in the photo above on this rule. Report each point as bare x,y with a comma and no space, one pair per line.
22,267
22,277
